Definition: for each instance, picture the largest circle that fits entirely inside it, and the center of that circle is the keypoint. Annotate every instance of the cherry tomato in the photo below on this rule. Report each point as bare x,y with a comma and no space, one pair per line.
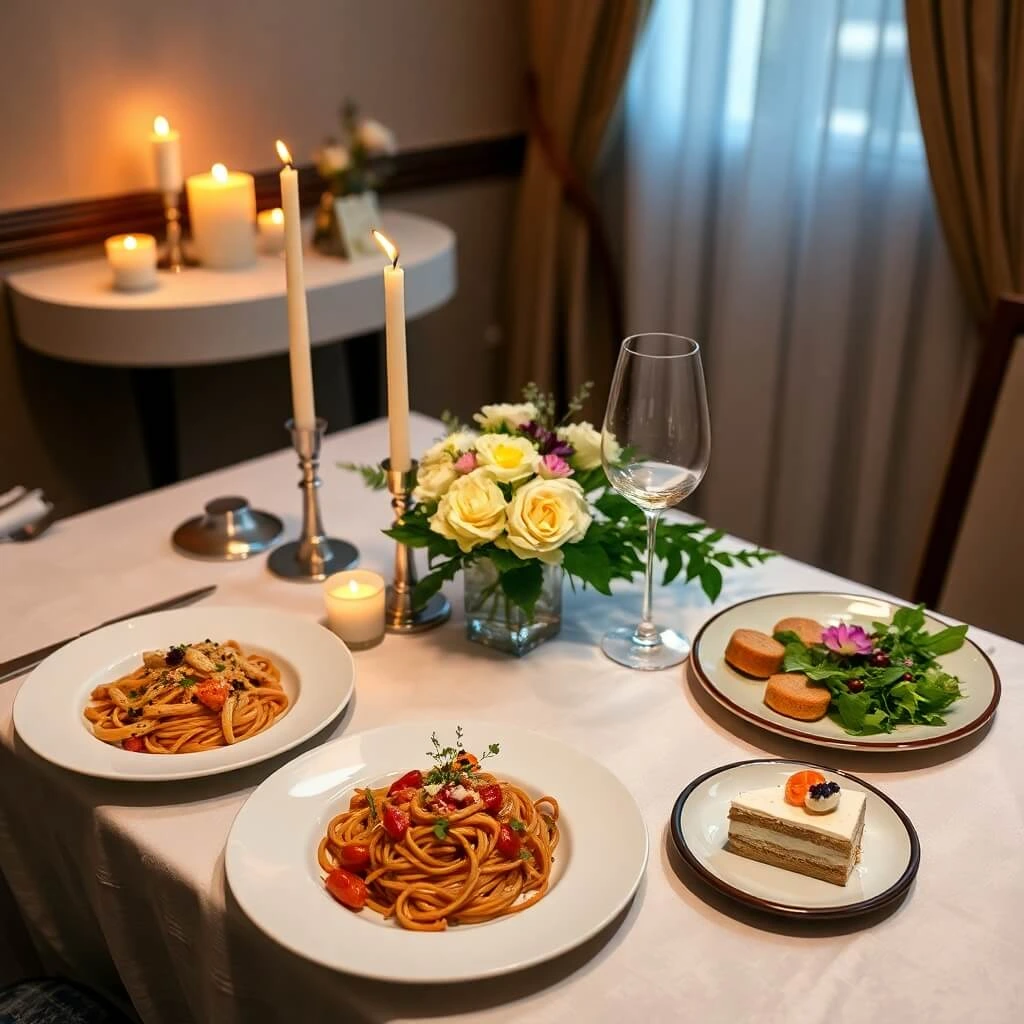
509,844
134,744
212,693
348,889
410,780
492,797
355,855
396,822
798,784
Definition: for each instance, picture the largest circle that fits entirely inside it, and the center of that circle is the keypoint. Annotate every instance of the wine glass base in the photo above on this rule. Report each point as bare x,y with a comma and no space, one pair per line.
621,646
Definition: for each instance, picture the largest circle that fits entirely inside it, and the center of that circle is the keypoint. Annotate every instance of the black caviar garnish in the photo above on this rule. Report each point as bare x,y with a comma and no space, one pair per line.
822,790
175,656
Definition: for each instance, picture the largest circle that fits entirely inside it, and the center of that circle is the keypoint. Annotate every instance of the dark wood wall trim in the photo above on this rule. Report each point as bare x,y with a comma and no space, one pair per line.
42,229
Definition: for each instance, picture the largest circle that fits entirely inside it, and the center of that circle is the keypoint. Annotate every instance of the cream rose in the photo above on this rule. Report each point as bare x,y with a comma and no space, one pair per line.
333,158
494,417
375,138
434,478
586,443
545,515
450,447
506,457
472,511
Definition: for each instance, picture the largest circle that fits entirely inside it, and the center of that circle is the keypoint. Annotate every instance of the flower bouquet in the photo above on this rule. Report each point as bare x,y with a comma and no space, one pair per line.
517,501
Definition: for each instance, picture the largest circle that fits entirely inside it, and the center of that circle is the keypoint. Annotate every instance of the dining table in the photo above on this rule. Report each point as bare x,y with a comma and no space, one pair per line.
122,885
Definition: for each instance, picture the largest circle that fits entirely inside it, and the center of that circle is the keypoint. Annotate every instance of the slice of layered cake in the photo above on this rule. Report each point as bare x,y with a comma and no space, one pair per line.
809,825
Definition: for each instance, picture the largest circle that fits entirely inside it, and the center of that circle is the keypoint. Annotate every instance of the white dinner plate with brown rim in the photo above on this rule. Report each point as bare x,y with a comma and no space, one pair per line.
317,673
271,856
890,849
744,696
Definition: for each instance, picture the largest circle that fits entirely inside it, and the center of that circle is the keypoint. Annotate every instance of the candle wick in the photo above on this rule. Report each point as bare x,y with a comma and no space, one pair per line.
394,262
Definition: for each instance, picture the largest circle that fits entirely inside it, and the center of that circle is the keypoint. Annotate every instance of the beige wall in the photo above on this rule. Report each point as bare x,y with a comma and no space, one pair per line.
83,79
232,75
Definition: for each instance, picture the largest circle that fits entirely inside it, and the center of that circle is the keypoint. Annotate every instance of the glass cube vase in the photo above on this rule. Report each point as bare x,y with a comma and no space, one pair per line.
494,621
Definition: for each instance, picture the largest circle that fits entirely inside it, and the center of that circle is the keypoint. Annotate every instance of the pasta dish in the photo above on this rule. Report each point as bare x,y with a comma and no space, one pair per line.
448,845
189,698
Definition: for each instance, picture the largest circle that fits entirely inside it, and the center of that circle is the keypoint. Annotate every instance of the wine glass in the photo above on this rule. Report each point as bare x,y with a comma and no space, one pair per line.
655,446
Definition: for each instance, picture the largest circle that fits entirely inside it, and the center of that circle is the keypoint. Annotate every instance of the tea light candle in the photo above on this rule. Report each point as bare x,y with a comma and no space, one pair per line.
355,606
222,209
270,225
133,261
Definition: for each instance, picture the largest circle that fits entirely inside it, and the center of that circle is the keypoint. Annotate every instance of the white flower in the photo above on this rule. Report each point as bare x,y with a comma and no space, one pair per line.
493,417
586,443
450,447
433,479
472,512
506,457
334,158
375,138
543,516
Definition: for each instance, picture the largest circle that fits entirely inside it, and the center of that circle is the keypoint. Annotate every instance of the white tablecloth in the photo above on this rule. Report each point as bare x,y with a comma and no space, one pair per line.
126,881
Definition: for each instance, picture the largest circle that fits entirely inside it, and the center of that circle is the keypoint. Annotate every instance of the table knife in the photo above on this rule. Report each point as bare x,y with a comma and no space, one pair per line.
16,666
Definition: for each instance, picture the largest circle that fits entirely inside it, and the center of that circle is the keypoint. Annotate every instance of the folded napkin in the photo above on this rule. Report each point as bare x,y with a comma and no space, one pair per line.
19,507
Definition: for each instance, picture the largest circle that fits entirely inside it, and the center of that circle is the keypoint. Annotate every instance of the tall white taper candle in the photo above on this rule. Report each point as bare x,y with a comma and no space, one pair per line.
398,376
298,316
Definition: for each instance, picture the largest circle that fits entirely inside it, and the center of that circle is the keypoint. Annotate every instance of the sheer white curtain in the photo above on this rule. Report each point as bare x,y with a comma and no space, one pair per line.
778,210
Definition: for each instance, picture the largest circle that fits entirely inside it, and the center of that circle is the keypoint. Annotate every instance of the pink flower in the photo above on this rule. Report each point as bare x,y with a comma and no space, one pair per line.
847,640
552,466
466,462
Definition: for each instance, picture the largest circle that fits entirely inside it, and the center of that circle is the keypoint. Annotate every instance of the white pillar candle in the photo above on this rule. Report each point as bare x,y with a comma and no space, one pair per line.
270,227
299,358
222,209
398,374
355,606
166,156
133,261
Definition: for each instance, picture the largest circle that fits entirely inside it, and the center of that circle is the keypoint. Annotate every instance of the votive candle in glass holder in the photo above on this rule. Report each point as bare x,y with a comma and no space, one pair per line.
355,606
132,258
270,227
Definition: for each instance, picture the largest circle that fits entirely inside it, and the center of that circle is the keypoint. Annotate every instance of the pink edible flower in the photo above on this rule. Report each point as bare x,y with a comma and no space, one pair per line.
466,462
847,640
552,466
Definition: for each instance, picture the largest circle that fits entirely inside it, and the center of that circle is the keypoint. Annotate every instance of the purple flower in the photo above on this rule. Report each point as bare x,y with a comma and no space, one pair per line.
547,441
552,466
847,640
465,463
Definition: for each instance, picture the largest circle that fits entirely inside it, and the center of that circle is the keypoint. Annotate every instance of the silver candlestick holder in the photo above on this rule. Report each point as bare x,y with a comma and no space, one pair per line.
400,616
313,556
174,259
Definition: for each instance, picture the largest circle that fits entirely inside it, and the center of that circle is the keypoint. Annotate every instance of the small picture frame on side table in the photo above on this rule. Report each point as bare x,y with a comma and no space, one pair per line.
355,217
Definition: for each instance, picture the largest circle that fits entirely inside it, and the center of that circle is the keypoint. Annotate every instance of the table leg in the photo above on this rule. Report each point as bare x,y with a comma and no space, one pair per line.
158,417
364,359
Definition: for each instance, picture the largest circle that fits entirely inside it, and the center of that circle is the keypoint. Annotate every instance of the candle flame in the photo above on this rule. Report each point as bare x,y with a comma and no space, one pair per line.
220,172
130,242
161,126
282,152
277,215
389,247
353,587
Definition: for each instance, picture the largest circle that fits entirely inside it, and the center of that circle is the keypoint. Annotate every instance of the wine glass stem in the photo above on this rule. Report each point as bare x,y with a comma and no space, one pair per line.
647,632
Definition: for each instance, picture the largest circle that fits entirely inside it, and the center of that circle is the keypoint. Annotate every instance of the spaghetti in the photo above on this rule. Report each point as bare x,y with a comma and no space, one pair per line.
189,698
453,845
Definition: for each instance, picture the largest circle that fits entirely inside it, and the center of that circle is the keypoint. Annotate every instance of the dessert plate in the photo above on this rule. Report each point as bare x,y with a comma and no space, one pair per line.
317,673
745,697
890,850
271,857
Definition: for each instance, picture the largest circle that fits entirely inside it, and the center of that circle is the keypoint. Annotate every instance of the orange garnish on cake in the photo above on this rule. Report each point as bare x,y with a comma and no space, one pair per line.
797,786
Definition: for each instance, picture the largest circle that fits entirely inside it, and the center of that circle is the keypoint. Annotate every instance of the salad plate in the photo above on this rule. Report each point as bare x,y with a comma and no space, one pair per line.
978,681
890,849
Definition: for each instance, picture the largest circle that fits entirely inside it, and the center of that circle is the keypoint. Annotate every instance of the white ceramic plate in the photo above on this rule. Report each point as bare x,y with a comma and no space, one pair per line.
745,697
272,867
316,667
890,851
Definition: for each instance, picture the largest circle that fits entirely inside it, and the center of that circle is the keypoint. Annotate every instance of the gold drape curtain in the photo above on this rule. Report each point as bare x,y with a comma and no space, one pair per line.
967,60
560,271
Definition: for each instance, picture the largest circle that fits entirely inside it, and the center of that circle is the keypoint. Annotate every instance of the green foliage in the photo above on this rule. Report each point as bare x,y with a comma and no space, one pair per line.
373,476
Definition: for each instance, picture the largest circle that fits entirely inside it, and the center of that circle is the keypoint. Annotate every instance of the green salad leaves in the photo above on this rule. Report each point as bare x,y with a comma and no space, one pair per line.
898,682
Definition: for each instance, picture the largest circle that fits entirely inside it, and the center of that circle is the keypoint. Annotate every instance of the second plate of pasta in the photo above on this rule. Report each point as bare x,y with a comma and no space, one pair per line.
184,693
437,852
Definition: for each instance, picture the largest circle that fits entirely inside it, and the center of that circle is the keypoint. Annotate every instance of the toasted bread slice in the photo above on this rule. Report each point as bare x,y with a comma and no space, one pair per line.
795,696
809,630
753,653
